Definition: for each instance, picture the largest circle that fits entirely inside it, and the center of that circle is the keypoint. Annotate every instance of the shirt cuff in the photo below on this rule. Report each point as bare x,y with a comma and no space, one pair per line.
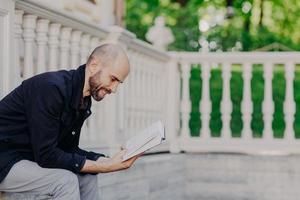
94,156
78,162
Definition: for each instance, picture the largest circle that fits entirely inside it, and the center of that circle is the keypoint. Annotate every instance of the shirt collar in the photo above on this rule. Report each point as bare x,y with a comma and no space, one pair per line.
77,87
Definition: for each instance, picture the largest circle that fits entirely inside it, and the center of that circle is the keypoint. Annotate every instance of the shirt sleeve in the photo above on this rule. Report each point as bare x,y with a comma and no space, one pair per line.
44,104
89,154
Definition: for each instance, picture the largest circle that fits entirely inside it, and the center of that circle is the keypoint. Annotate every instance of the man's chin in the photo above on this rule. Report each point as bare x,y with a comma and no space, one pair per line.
97,98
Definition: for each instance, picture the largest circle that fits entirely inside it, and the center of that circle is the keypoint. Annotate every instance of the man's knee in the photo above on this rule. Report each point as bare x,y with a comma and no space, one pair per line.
65,177
88,186
66,185
92,179
88,181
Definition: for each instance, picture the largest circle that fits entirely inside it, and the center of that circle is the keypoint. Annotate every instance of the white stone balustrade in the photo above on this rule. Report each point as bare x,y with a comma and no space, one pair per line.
247,107
226,105
41,40
246,143
54,31
75,41
289,103
18,39
29,24
205,104
268,104
65,47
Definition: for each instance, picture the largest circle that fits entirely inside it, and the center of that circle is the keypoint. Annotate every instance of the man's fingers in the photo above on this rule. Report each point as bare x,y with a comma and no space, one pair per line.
133,159
128,163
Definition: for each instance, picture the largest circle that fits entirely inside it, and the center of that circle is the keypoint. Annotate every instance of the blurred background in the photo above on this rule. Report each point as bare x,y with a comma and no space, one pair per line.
228,25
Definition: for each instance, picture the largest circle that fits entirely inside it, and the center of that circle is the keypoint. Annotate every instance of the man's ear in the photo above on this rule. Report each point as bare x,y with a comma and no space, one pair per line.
93,65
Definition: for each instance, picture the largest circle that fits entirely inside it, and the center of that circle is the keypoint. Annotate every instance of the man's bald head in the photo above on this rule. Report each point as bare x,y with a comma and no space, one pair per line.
110,55
107,66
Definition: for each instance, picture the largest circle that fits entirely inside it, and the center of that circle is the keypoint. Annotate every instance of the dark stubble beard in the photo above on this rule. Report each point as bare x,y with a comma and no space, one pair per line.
95,86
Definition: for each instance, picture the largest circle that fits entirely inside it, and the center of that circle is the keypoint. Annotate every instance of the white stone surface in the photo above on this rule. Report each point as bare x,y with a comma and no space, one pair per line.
206,176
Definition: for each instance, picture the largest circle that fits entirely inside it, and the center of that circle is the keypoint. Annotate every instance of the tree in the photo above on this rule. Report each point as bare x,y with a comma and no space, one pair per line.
253,23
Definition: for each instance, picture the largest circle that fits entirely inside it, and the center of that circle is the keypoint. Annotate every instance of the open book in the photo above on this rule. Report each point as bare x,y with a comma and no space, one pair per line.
145,140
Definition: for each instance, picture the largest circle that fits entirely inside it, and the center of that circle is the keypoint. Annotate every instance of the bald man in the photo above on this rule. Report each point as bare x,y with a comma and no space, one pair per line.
40,123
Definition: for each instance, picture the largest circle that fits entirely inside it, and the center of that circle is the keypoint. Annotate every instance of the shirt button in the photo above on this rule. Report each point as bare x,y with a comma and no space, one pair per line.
76,165
88,112
73,132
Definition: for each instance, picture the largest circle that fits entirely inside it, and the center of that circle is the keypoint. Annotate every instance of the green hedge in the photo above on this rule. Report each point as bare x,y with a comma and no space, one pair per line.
236,89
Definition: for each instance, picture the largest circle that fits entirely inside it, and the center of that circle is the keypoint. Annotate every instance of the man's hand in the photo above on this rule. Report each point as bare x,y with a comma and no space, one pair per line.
115,163
104,165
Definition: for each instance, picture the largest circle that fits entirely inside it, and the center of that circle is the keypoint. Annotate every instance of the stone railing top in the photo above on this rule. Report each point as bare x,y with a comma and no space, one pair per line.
63,18
149,49
237,57
108,33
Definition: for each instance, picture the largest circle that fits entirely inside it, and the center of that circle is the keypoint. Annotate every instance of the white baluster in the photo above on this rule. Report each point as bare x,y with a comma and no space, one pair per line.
148,97
65,47
205,104
138,84
163,90
268,104
84,48
160,89
226,105
247,107
185,102
29,24
41,40
158,86
172,106
125,98
289,103
143,100
54,31
94,43
131,90
153,93
18,38
135,96
75,39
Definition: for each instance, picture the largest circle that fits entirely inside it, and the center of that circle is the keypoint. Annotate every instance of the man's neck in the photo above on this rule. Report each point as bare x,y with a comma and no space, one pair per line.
86,87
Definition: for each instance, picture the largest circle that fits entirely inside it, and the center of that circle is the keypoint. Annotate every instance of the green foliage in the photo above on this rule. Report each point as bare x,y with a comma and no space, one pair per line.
196,91
257,96
266,22
215,96
236,91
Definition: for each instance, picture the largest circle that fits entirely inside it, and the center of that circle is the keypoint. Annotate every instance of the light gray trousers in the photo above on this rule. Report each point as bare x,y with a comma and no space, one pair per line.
27,180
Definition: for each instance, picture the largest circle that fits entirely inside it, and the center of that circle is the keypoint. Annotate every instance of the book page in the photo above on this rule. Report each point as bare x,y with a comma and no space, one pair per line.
145,140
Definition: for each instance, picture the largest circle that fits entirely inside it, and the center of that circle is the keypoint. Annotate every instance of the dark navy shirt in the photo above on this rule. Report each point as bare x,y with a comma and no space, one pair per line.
41,120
